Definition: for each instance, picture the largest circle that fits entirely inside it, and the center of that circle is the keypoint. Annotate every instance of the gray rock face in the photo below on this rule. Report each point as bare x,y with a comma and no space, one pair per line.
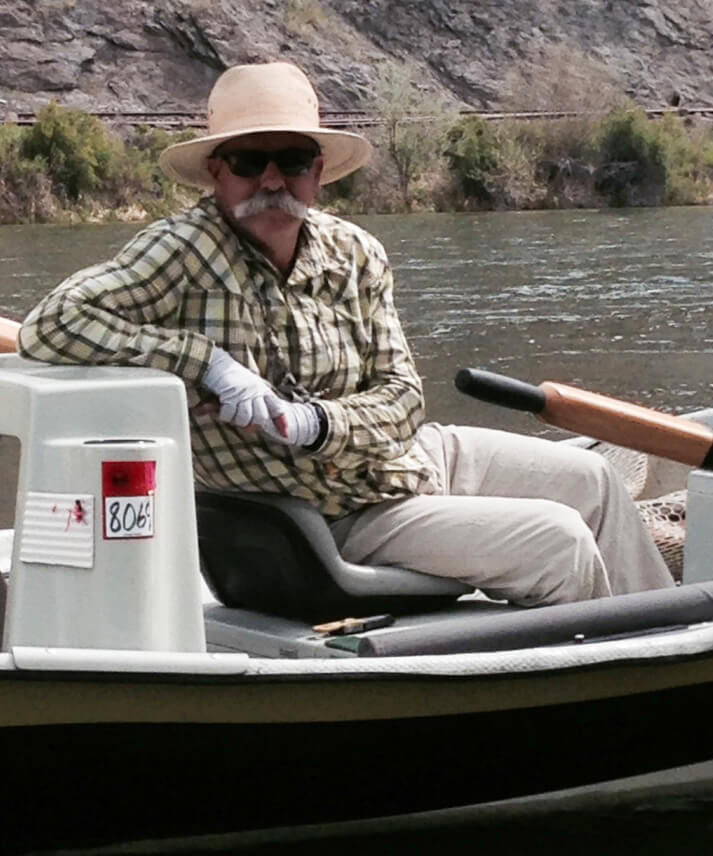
165,55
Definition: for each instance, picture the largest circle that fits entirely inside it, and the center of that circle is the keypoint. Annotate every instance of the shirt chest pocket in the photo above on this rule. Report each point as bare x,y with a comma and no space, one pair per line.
331,341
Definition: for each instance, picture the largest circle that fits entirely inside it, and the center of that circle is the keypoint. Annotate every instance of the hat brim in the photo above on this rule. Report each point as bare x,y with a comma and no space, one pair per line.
342,151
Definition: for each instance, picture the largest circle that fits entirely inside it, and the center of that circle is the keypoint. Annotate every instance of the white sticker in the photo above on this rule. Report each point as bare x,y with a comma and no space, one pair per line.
128,516
58,529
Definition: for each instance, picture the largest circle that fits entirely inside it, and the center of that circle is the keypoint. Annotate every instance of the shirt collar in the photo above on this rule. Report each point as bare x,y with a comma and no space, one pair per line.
313,255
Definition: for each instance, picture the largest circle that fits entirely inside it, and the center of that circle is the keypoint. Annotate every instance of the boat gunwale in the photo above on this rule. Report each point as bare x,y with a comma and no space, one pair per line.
242,700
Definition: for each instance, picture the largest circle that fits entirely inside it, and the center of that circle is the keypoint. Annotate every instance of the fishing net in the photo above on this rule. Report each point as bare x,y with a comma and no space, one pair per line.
666,518
665,515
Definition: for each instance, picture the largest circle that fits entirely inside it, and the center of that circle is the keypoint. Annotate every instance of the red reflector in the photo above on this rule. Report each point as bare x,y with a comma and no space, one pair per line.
128,478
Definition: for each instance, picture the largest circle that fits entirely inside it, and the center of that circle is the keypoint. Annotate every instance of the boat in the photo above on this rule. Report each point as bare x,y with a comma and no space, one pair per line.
151,688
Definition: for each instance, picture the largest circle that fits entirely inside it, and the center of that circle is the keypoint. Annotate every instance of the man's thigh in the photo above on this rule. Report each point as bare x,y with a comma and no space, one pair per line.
515,547
487,462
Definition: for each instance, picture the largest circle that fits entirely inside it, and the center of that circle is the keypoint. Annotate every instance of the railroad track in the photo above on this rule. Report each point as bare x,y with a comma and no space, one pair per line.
180,121
337,118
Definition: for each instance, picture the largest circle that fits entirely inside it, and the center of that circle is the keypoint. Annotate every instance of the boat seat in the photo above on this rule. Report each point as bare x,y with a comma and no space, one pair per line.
276,554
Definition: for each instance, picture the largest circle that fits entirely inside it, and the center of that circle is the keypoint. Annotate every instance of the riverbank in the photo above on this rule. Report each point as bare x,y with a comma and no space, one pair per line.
70,167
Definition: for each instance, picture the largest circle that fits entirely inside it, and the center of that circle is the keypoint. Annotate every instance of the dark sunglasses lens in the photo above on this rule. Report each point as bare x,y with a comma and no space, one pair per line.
249,163
292,162
246,163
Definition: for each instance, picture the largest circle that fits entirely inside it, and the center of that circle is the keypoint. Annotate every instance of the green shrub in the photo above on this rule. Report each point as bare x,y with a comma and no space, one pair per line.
672,162
77,152
412,126
472,152
632,159
158,193
519,182
629,136
688,153
26,193
495,164
92,170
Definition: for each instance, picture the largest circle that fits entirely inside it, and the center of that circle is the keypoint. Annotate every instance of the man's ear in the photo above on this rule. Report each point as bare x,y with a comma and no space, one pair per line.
318,167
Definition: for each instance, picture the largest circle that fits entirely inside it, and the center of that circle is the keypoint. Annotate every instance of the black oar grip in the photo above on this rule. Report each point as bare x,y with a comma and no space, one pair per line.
502,390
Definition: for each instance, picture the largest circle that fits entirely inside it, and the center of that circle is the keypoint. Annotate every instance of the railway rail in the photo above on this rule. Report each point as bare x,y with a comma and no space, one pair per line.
337,118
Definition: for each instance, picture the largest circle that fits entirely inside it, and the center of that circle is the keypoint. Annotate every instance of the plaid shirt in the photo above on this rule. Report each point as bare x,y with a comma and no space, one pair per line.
329,333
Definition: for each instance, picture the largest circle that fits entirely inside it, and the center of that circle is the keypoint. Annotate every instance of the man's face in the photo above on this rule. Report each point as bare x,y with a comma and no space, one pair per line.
273,197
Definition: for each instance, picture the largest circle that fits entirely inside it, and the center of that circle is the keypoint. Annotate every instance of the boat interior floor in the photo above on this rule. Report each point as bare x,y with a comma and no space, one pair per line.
471,624
274,572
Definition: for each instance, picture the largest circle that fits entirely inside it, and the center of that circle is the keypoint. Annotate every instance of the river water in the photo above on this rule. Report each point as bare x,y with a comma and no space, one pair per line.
615,301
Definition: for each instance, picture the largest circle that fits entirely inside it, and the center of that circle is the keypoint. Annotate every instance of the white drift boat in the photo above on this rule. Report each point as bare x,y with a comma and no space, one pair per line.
134,703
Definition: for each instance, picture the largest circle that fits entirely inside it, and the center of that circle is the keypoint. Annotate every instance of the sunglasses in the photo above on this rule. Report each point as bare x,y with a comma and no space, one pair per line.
249,163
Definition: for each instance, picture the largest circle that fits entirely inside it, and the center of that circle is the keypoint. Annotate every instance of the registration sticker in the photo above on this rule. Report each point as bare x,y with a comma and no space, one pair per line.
128,492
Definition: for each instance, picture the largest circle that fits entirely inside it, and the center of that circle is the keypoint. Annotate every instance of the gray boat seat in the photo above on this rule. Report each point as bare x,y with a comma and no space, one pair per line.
276,554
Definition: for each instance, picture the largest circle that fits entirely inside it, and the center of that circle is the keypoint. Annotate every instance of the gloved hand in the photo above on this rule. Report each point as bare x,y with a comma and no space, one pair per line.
297,425
246,399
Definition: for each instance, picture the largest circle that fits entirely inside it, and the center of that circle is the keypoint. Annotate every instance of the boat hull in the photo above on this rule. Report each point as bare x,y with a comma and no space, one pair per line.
82,782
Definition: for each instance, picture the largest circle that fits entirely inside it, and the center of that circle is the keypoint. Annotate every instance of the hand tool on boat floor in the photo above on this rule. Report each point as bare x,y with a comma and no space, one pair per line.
595,415
348,626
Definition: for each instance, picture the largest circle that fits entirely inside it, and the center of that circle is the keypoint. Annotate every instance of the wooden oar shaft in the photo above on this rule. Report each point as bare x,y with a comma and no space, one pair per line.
597,416
8,335
626,424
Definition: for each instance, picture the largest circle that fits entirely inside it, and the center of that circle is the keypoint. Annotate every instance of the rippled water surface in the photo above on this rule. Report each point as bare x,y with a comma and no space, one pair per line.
616,301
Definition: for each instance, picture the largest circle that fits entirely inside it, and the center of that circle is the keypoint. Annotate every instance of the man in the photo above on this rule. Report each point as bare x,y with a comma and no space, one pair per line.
286,316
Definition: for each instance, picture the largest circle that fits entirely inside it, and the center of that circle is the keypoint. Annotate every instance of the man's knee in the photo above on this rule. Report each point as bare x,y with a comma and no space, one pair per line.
597,472
570,566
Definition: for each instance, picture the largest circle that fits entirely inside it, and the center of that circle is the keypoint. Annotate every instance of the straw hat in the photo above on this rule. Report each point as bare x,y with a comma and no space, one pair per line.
249,99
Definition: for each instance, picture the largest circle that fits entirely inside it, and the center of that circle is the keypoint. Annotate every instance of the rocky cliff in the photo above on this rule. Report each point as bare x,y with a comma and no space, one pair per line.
165,55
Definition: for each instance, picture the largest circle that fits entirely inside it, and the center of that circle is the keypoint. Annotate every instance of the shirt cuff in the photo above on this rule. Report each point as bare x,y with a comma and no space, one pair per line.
323,428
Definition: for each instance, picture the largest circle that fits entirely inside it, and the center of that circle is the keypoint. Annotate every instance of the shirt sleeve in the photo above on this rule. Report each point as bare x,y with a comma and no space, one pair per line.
380,419
123,312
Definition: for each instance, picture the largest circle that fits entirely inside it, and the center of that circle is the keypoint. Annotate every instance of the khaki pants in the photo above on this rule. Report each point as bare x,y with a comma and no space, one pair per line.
520,518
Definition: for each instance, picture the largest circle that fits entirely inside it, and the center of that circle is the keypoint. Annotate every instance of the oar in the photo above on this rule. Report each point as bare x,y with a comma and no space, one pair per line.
8,335
595,415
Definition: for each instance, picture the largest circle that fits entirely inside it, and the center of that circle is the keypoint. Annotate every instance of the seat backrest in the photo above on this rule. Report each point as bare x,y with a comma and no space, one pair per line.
276,554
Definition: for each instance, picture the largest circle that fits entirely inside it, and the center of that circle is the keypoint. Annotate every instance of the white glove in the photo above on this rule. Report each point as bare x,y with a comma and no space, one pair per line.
246,399
300,422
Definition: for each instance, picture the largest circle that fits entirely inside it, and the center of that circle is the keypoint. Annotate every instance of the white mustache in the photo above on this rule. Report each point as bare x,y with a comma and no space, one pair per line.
266,199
